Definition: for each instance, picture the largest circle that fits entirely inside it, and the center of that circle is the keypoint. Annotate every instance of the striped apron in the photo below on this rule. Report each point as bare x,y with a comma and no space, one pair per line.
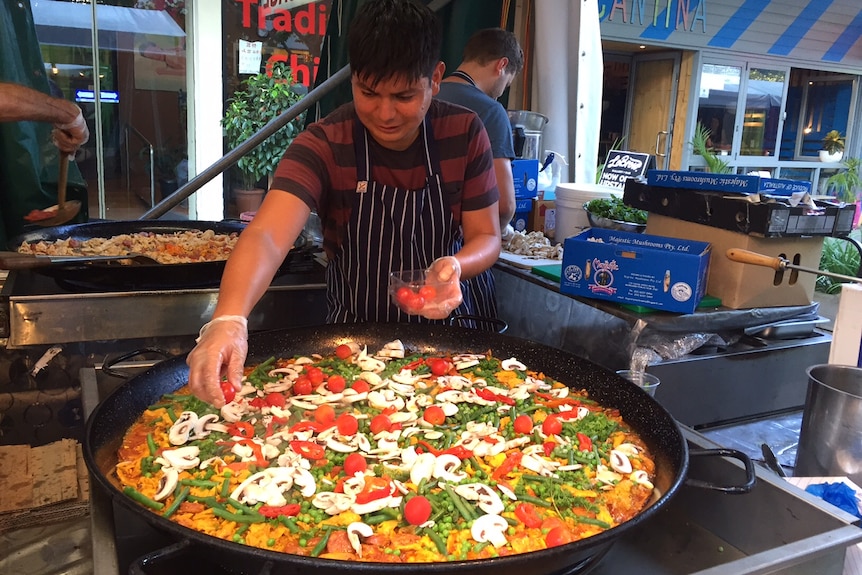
392,229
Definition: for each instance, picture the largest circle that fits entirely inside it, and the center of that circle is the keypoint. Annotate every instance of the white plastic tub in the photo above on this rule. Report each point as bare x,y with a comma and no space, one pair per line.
569,203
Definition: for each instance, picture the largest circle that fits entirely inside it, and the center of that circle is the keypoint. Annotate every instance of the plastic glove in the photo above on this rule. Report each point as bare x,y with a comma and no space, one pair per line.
445,270
221,351
69,137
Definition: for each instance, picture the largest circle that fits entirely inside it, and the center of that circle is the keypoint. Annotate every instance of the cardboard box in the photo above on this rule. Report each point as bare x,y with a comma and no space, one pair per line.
543,217
521,219
742,286
653,271
526,176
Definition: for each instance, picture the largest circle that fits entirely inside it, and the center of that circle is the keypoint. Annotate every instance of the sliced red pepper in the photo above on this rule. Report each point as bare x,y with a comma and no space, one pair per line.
428,447
489,395
548,448
260,460
414,364
289,510
458,451
270,427
311,426
241,429
584,442
375,488
528,515
308,449
511,462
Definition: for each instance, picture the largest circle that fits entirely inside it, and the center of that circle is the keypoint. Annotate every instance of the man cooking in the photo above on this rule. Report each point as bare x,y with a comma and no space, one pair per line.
401,181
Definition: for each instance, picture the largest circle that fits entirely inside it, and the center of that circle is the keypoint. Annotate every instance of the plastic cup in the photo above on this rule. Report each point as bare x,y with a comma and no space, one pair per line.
647,381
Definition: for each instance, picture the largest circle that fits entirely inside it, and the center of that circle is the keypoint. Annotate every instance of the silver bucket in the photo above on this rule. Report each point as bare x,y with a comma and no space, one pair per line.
830,443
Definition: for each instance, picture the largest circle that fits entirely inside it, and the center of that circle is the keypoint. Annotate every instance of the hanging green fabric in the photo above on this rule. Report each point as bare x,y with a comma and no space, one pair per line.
460,18
28,158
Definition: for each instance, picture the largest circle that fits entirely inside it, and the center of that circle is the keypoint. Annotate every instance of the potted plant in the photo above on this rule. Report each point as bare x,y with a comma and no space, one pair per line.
714,164
260,99
833,147
846,184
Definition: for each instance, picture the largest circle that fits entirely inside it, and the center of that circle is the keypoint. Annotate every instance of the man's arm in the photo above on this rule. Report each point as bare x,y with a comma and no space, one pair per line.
506,185
20,103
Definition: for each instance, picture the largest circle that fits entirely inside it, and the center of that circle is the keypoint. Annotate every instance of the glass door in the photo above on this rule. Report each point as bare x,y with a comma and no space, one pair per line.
652,102
762,119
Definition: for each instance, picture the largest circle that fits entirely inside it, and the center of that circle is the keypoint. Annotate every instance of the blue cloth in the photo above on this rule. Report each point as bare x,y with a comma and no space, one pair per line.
838,494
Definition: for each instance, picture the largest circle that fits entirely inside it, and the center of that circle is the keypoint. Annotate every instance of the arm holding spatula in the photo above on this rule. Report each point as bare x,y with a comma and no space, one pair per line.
20,103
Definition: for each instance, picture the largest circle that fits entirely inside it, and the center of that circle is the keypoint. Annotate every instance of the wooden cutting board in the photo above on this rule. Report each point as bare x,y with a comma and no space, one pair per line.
526,262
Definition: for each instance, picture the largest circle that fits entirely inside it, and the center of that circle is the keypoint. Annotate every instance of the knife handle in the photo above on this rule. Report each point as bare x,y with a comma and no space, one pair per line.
17,261
747,257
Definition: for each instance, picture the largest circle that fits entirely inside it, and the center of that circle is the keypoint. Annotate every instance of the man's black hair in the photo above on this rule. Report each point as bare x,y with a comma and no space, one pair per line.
394,38
492,44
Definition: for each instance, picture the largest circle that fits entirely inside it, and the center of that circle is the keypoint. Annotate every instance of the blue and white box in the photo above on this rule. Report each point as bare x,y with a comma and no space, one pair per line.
667,274
526,176
730,183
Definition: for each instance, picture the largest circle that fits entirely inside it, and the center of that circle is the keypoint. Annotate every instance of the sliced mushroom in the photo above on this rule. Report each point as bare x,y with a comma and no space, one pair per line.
305,480
232,411
392,350
333,503
641,477
376,505
357,531
183,457
620,462
183,428
422,468
512,364
167,483
203,426
490,528
485,496
446,466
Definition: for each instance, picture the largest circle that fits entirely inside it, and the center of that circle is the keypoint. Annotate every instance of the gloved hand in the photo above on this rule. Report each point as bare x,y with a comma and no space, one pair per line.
69,137
221,350
507,234
446,270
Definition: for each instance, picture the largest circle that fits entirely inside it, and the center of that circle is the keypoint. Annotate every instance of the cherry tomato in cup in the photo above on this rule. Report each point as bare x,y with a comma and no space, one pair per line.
227,391
434,415
415,302
523,424
428,292
403,295
417,511
552,425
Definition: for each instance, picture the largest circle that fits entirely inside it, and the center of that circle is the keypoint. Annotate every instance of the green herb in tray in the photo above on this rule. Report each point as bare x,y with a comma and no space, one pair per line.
614,209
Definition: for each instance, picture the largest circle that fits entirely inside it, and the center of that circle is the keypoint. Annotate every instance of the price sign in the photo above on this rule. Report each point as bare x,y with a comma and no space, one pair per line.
622,165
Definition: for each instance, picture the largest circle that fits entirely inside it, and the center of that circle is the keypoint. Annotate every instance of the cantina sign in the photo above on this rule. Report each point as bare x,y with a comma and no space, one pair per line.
686,15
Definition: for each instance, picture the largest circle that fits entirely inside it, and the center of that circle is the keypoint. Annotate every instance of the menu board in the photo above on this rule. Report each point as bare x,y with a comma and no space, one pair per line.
622,165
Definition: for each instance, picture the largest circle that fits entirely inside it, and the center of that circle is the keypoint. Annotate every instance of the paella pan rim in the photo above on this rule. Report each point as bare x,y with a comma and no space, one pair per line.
643,413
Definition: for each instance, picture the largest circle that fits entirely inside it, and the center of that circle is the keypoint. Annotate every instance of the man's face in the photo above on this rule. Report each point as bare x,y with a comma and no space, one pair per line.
393,109
503,81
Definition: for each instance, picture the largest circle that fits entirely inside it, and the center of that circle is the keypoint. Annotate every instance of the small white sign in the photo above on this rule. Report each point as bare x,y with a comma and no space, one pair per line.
249,57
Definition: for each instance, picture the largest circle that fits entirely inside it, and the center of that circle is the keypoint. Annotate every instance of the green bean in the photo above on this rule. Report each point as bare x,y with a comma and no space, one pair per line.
289,522
459,504
377,518
237,517
321,545
225,488
198,482
241,508
177,397
534,500
590,521
438,541
141,498
209,501
177,502
479,471
542,479
477,548
151,444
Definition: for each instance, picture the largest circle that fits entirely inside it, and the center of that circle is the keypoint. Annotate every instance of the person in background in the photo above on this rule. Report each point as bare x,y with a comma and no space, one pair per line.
491,59
20,103
399,179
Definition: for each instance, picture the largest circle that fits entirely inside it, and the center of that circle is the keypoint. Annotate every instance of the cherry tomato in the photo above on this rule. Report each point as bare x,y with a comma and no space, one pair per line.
523,424
417,511
315,375
227,391
428,292
415,302
527,514
360,386
434,415
438,366
380,423
343,351
275,400
336,383
403,294
324,414
302,386
347,424
552,425
558,536
354,463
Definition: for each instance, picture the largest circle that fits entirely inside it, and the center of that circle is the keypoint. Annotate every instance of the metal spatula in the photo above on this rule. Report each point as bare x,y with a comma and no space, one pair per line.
18,261
779,263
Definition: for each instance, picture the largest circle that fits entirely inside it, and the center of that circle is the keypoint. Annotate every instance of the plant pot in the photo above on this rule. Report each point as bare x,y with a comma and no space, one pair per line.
827,157
248,200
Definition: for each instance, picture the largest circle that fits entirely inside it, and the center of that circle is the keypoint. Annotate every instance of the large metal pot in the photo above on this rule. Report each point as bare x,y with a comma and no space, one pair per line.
110,420
108,275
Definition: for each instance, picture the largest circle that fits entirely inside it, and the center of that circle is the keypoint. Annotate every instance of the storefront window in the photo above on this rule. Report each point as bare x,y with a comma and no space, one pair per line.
817,102
762,120
719,93
141,113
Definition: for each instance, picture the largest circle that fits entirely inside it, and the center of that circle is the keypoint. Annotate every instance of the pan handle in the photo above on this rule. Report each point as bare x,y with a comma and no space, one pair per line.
138,566
108,364
464,320
750,476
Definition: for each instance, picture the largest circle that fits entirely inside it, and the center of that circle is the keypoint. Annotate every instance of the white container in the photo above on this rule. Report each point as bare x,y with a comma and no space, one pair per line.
569,203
